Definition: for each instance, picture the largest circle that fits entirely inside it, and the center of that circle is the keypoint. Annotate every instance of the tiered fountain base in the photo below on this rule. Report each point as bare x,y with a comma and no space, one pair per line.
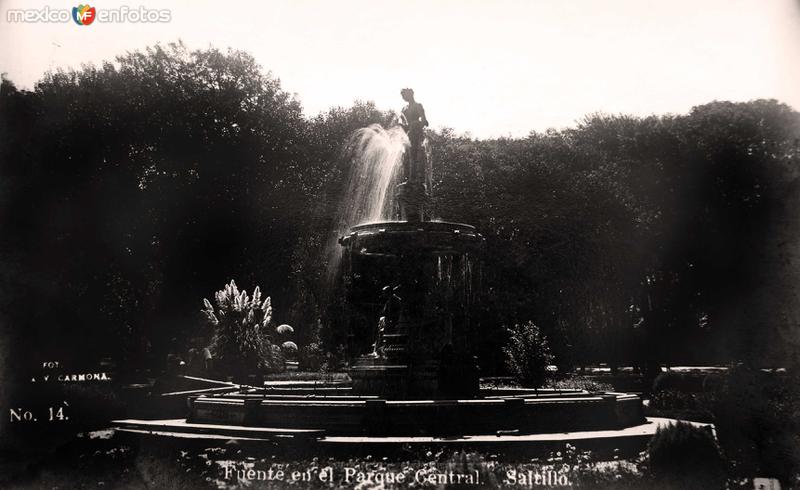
494,412
318,418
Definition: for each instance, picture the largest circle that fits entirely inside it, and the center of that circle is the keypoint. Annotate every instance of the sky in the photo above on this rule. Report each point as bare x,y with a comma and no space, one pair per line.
488,68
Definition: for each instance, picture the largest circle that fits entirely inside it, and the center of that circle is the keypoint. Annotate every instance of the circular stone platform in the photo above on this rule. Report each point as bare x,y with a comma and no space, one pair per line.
493,412
629,440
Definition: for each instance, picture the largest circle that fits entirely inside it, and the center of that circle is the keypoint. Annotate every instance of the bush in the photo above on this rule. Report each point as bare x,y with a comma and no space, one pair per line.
528,354
680,400
312,356
686,382
684,456
756,416
572,382
243,327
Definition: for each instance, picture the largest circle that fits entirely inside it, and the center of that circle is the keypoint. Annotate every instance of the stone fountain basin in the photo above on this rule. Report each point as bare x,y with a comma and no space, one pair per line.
494,412
318,420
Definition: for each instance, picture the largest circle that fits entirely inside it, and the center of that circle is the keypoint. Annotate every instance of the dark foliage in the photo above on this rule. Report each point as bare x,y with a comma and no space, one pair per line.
683,456
132,189
755,413
528,354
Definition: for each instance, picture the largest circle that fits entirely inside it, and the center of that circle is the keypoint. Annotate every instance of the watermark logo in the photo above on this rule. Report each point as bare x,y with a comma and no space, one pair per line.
83,15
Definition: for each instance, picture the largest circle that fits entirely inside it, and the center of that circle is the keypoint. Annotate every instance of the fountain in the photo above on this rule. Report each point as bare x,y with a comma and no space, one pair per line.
421,276
411,285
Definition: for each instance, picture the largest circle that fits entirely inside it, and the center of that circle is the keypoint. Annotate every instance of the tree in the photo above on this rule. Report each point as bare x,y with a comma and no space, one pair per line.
133,187
143,183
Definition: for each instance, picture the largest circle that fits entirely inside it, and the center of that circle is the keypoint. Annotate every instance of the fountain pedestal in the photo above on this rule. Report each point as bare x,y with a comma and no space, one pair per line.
413,200
425,347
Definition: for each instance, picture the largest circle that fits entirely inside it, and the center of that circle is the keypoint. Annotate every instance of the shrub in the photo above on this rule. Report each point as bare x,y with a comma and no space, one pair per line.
312,356
572,382
756,416
678,400
672,381
666,381
528,354
243,329
685,456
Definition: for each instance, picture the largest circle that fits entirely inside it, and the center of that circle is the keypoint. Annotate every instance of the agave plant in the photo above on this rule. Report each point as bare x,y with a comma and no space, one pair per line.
244,331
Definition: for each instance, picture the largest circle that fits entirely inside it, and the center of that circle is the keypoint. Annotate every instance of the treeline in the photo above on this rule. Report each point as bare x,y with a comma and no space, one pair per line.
132,190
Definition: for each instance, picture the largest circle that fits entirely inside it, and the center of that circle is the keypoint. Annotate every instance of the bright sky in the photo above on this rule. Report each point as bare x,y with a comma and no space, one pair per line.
488,67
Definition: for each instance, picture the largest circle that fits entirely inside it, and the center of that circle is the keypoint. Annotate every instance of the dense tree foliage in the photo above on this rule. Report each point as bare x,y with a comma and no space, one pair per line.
132,189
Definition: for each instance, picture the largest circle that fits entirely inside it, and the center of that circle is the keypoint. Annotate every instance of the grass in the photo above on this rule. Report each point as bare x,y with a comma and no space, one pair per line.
307,376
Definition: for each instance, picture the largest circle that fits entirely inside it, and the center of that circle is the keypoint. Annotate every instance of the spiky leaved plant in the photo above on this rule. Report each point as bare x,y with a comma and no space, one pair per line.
243,328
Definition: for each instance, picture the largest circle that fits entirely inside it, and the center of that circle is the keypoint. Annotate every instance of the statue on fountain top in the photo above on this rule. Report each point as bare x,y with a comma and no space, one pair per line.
413,121
413,114
413,193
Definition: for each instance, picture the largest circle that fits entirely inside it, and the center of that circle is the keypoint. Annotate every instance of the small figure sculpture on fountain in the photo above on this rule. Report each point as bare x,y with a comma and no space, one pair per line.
388,321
